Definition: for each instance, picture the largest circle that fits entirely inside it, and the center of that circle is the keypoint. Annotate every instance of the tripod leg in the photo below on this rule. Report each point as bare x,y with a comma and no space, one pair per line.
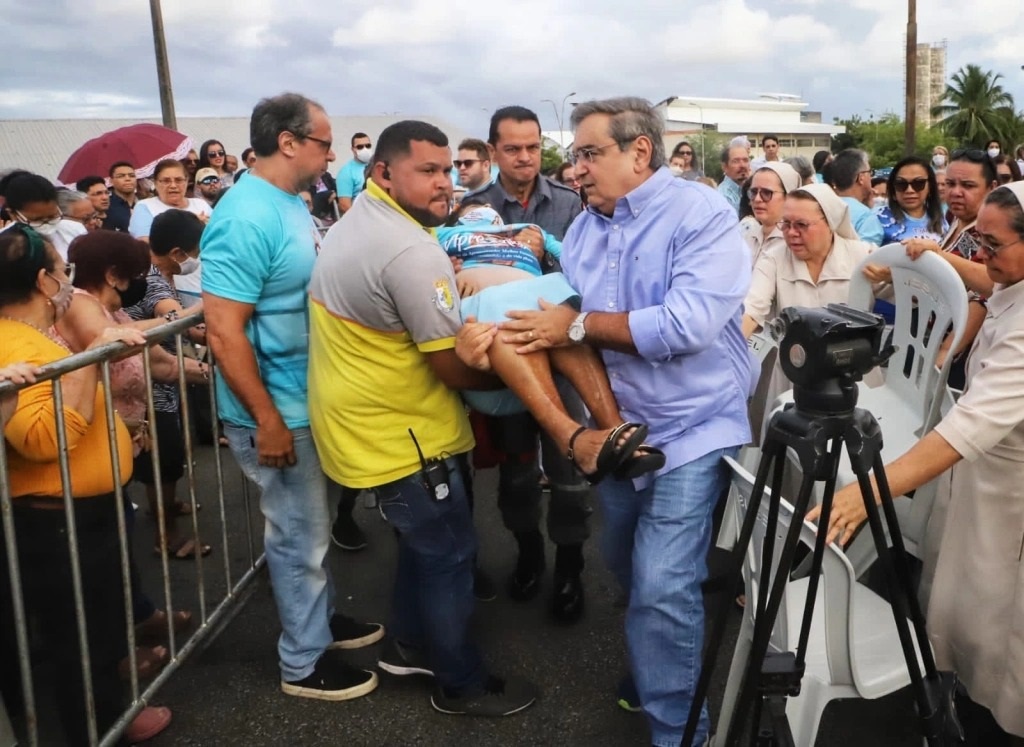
899,555
772,454
764,624
926,705
819,553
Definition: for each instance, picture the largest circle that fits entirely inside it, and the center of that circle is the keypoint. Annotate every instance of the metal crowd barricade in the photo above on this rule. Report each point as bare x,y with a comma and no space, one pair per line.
237,585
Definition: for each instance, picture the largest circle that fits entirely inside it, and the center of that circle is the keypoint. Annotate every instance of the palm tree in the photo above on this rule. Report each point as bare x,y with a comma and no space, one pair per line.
976,108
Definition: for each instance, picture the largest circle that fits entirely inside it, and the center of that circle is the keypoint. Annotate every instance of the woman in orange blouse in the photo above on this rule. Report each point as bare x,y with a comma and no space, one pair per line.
35,290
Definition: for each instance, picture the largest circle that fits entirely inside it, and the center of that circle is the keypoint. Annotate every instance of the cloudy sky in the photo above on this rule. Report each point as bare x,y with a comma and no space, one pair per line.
459,59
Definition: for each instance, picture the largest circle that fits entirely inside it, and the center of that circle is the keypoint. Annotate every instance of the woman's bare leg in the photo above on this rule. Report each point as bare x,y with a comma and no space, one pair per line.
530,378
583,367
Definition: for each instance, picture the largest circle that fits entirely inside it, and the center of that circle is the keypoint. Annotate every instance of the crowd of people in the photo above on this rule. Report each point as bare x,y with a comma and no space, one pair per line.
582,331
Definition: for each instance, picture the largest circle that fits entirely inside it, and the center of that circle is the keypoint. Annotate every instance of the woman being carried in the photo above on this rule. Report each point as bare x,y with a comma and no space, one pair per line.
496,273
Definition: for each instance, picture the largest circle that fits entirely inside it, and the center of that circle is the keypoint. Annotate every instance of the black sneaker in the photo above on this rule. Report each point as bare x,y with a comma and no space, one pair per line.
483,587
498,697
403,660
346,534
332,679
349,633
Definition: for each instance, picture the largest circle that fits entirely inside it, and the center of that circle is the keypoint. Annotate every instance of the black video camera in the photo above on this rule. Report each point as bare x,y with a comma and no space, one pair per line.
826,351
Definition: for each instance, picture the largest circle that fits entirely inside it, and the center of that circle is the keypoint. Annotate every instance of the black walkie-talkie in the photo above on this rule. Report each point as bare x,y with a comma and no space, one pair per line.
434,473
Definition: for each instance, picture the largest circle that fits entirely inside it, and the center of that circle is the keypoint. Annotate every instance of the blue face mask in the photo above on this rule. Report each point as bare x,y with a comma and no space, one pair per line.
483,214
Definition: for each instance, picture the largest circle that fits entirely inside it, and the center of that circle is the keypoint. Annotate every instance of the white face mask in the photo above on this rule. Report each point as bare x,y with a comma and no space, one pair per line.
363,155
676,170
46,230
938,160
993,152
190,265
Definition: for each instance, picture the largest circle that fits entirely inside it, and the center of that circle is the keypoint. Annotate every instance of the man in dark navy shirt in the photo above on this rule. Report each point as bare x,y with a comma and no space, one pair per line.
122,196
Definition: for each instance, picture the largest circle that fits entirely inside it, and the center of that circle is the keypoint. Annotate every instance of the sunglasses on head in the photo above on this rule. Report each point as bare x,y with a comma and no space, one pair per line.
971,154
917,185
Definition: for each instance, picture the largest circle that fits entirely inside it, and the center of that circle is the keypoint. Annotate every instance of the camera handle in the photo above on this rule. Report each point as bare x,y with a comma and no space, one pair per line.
777,676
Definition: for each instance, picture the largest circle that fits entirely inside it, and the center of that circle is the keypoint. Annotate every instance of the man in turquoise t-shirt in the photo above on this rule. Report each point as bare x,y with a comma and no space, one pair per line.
352,176
258,253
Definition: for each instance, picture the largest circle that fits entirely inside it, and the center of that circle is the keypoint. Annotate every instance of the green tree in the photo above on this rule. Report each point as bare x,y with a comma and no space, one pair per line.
550,158
884,139
976,108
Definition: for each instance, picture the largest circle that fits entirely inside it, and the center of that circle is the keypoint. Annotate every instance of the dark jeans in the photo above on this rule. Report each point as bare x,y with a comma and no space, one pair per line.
45,565
433,603
519,491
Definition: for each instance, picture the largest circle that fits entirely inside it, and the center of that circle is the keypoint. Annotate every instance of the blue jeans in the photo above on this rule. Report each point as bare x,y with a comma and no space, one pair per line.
433,601
296,536
656,542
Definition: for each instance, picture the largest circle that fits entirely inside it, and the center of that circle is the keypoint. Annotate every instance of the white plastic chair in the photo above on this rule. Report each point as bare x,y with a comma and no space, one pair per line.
853,649
765,352
914,396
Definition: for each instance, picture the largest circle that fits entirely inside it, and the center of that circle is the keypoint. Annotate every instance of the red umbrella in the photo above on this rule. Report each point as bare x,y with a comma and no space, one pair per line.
142,145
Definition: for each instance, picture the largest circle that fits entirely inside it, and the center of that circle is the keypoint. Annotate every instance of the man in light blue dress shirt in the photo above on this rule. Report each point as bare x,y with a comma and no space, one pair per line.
662,272
851,179
736,168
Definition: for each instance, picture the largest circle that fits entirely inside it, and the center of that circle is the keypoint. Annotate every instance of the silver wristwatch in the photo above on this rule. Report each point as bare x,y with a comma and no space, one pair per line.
577,332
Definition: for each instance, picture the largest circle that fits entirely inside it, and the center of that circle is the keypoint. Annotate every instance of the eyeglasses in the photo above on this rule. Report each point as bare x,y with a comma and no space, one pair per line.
467,162
362,146
214,154
38,222
994,250
588,154
917,185
1004,178
685,153
191,161
91,218
800,226
69,271
167,181
209,180
326,143
762,193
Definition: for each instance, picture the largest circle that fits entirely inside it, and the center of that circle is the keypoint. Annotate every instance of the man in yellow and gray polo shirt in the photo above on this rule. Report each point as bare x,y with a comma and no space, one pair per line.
384,314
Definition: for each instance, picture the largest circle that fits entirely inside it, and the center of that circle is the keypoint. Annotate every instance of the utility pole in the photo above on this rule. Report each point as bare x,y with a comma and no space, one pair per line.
163,70
910,117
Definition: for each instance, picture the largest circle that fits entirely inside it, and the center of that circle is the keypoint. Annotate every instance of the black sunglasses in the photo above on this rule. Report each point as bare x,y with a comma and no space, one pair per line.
465,162
214,153
918,185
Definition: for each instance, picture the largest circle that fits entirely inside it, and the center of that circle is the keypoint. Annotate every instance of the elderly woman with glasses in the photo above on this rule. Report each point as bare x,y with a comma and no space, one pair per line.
35,293
813,267
973,555
913,206
767,195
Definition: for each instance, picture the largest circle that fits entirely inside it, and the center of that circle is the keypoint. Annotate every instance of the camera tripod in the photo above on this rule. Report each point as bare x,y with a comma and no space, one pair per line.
771,677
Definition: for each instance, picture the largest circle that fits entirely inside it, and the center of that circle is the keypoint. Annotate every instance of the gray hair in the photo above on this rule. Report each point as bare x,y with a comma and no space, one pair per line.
630,117
68,197
847,166
286,112
802,166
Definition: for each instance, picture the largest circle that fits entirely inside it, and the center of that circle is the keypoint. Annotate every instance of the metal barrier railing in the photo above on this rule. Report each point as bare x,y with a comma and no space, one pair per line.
211,621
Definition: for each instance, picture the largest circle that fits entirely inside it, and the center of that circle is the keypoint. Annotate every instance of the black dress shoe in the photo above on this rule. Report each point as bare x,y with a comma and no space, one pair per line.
524,584
567,599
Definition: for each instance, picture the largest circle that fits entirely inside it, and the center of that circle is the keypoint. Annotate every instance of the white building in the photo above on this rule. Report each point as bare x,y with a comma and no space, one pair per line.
800,132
